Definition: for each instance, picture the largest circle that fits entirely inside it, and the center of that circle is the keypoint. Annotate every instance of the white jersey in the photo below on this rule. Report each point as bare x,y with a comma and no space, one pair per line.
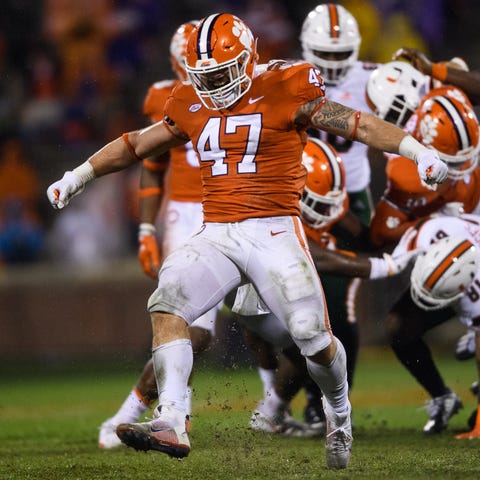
429,231
351,92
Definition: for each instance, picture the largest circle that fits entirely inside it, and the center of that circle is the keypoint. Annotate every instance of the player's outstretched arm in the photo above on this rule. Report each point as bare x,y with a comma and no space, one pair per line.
331,261
341,120
117,155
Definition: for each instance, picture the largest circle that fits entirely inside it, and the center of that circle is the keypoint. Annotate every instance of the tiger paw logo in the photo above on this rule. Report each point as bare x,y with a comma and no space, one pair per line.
393,222
241,31
428,130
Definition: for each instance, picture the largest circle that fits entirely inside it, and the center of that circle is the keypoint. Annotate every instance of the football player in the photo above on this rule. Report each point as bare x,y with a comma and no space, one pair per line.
331,40
445,121
444,285
393,90
181,217
324,202
248,132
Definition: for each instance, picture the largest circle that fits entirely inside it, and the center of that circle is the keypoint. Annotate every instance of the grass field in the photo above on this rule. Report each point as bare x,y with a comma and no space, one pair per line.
49,423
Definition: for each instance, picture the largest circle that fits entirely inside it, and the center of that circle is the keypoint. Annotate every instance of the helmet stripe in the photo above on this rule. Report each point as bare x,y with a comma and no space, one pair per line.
461,130
334,21
446,263
204,45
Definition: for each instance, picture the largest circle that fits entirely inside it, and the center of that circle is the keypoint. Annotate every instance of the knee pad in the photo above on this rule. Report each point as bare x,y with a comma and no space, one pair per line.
304,325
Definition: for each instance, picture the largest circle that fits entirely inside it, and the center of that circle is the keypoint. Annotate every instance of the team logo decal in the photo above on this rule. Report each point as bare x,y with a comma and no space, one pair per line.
428,130
195,107
393,222
243,33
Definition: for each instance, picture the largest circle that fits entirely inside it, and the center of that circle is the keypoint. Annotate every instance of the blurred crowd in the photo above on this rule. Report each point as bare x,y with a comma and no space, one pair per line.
74,74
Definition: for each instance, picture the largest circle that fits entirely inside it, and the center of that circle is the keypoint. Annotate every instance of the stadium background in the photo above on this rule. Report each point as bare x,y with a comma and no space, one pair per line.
73,76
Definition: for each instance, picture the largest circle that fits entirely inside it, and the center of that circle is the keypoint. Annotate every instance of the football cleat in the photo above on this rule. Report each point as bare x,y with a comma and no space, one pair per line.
440,410
314,417
338,439
156,435
107,437
281,424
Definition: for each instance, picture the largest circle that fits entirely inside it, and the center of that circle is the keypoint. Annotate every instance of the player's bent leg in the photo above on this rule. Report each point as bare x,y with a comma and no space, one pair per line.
172,362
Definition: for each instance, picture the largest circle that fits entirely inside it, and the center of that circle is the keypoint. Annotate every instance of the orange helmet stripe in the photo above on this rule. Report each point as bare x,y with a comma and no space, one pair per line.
334,22
446,263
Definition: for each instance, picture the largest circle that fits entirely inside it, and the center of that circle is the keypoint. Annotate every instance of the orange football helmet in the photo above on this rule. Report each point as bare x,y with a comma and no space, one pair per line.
324,198
447,122
178,48
221,57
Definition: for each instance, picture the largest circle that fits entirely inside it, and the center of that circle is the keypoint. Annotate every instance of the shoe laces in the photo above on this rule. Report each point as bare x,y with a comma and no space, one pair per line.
338,440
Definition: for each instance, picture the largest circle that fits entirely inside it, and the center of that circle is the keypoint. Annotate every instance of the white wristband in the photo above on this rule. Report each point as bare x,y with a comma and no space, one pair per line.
145,229
411,148
379,268
85,172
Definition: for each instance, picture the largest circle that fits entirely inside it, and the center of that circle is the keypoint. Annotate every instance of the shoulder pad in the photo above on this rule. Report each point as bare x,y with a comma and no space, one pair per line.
164,84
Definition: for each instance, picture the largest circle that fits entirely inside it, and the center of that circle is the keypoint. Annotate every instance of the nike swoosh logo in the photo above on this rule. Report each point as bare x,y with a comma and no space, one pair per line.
254,100
277,233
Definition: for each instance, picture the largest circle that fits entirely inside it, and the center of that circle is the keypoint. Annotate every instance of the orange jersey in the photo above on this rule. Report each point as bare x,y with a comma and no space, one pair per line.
406,200
251,154
183,182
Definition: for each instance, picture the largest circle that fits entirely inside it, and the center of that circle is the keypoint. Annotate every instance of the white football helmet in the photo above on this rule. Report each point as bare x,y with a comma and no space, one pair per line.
442,274
330,40
221,58
394,91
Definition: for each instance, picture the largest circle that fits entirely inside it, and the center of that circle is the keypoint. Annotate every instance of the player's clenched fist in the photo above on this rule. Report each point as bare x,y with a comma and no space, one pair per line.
72,183
430,168
61,192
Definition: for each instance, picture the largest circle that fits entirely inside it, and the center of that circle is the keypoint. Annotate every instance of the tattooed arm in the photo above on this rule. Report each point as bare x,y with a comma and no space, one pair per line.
341,120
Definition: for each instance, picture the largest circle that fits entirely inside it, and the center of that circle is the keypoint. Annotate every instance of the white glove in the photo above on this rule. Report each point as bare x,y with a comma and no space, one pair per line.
465,348
61,192
430,168
451,209
388,265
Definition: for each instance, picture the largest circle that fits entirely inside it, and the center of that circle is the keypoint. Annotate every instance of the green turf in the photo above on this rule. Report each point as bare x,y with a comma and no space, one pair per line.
49,423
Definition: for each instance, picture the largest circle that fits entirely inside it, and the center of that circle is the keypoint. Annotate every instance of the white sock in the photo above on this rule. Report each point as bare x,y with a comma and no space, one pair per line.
332,380
268,380
132,408
173,362
272,404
